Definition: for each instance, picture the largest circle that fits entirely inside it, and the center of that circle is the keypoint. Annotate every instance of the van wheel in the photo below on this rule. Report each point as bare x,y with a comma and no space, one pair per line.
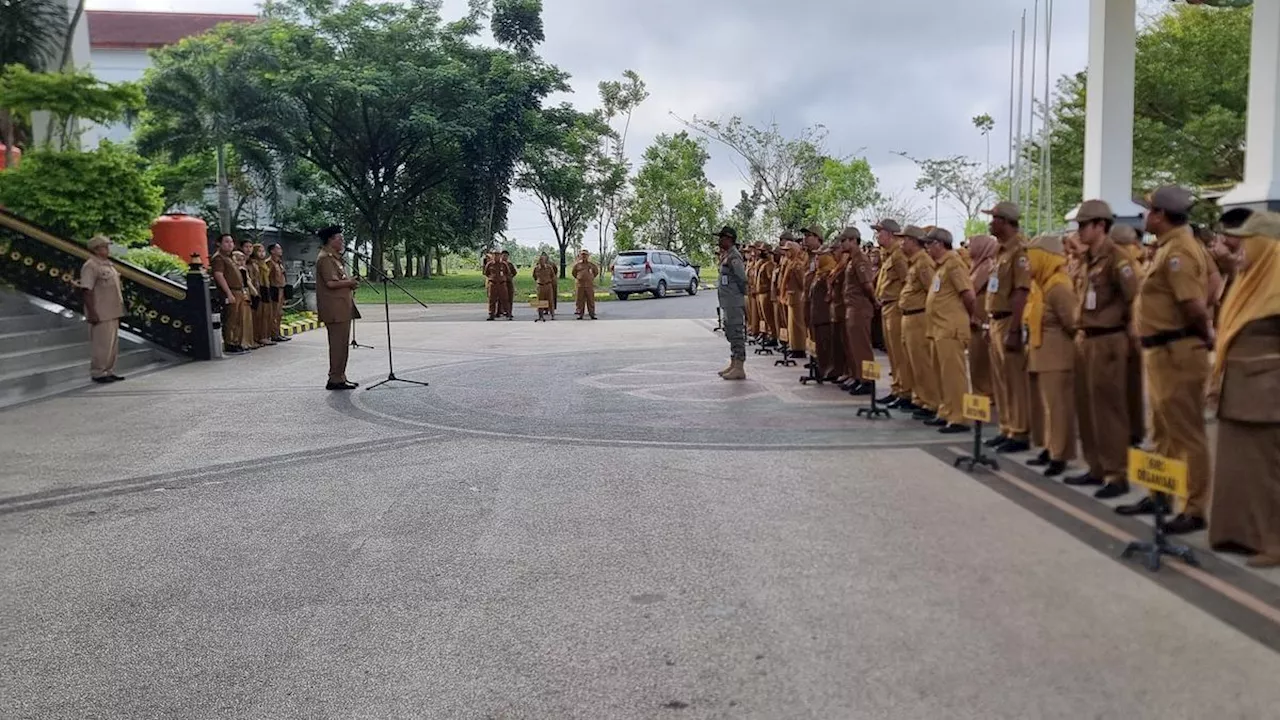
661,292
622,295
693,287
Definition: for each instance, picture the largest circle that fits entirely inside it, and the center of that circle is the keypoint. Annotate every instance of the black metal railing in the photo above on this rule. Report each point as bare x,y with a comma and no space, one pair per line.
42,264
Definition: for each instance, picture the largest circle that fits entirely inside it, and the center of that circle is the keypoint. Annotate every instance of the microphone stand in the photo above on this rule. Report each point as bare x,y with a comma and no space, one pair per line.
355,271
386,308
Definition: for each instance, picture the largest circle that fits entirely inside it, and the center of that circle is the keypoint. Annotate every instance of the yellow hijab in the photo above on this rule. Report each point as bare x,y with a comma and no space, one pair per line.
1048,270
1255,294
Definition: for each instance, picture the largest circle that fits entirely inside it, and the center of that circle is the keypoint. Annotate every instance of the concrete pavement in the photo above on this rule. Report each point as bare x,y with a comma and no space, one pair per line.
575,520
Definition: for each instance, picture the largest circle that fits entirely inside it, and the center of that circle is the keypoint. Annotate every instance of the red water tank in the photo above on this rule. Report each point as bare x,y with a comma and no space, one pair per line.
181,235
17,155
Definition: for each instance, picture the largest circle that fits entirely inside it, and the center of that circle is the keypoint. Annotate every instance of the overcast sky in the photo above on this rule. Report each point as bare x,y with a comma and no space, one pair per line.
882,76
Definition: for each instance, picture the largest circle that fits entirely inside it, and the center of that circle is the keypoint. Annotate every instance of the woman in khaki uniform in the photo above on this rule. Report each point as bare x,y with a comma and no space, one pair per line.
1244,511
793,289
915,325
982,260
248,333
276,283
263,312
544,274
1050,320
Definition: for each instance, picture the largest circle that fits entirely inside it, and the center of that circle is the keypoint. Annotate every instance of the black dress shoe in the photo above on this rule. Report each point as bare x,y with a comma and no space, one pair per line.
997,440
924,414
1145,506
860,389
936,422
888,399
1184,524
1014,446
339,386
116,378
1056,468
489,318
1112,490
1084,480
954,429
104,379
1040,460
905,406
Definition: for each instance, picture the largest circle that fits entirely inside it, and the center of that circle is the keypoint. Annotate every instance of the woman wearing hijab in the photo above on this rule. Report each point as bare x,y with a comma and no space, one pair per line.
1244,513
982,259
1050,324
544,274
263,310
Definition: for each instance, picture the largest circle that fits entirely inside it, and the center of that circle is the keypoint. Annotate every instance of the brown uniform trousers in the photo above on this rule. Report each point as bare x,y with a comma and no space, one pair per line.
892,276
1010,384
838,311
793,284
1176,371
948,322
101,281
753,306
335,309
979,348
915,332
1105,289
221,263
859,312
1051,375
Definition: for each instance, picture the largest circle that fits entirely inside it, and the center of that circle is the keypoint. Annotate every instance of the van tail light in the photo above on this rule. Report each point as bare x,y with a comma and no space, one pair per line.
647,267
611,267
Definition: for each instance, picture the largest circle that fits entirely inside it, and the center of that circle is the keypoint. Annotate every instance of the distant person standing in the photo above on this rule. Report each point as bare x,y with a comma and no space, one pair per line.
277,285
103,308
510,293
584,276
544,274
335,304
732,294
227,277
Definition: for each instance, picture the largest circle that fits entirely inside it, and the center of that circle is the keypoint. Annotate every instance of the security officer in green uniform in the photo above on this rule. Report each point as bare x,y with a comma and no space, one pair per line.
732,293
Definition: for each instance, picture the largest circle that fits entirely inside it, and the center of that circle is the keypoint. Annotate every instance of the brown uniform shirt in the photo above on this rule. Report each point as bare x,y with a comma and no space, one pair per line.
102,280
1106,285
1057,350
835,290
858,272
224,264
277,273
793,280
1012,272
948,317
893,275
764,276
584,273
1177,274
332,305
817,290
915,290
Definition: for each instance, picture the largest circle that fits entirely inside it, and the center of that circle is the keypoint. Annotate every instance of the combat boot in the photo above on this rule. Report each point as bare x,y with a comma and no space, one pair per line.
736,371
726,369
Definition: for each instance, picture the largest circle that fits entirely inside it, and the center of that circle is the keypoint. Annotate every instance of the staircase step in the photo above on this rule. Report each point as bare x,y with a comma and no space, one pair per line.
37,383
44,337
23,323
39,357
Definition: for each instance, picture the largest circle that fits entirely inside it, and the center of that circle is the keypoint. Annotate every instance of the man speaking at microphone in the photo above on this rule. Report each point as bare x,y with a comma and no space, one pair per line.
335,304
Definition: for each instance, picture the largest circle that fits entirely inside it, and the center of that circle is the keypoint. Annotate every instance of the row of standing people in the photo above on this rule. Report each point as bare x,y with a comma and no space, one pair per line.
251,281
500,272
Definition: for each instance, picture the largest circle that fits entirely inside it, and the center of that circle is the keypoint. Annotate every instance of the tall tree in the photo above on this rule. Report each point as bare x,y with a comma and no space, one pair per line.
958,179
895,206
32,32
562,168
618,100
839,191
674,205
782,167
985,124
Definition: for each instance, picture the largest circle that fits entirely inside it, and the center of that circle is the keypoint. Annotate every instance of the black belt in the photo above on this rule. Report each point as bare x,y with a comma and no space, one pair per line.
1161,339
1099,332
912,312
1000,315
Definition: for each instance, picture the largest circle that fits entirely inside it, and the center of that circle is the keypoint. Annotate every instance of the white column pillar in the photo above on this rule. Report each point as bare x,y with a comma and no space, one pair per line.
1108,128
1261,186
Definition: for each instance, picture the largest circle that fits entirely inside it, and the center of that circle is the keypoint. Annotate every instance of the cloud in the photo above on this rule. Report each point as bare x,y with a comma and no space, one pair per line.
882,76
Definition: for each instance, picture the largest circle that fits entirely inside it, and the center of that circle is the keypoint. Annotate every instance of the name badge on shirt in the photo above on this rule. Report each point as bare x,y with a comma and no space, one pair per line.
724,281
1091,300
993,285
937,283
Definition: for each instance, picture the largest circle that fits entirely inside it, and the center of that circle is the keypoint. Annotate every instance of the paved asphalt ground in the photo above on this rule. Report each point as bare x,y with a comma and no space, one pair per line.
574,520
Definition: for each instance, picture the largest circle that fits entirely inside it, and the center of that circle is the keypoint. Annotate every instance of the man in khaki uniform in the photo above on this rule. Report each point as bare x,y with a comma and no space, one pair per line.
764,296
915,325
950,309
496,282
892,275
778,288
1007,291
1105,291
584,281
751,259
544,274
1129,246
815,309
335,304
1176,334
793,288
226,276
509,296
860,309
103,308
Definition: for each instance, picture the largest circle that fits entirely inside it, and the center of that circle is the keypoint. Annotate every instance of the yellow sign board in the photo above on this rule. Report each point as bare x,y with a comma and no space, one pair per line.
813,348
870,370
1158,473
540,304
977,407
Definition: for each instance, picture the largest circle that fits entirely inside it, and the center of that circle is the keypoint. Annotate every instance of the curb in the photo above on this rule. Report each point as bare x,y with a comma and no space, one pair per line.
300,326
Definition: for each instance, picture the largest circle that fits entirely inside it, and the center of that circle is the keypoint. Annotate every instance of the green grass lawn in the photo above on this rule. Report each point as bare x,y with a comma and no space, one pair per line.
467,286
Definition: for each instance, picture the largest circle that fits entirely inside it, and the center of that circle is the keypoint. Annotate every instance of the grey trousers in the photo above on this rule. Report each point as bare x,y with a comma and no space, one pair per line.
735,330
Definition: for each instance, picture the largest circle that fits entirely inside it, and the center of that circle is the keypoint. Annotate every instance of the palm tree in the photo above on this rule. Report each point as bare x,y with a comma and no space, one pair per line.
32,35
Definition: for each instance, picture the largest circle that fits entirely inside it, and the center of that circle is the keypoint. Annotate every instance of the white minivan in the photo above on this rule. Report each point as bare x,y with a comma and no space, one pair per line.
652,271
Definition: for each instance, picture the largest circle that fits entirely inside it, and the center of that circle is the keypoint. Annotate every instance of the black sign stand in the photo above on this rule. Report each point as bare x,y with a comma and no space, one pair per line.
719,321
875,410
786,360
1160,544
386,308
977,458
815,374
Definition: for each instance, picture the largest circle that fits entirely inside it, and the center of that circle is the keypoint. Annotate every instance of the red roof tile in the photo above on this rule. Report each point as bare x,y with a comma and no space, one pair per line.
118,29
